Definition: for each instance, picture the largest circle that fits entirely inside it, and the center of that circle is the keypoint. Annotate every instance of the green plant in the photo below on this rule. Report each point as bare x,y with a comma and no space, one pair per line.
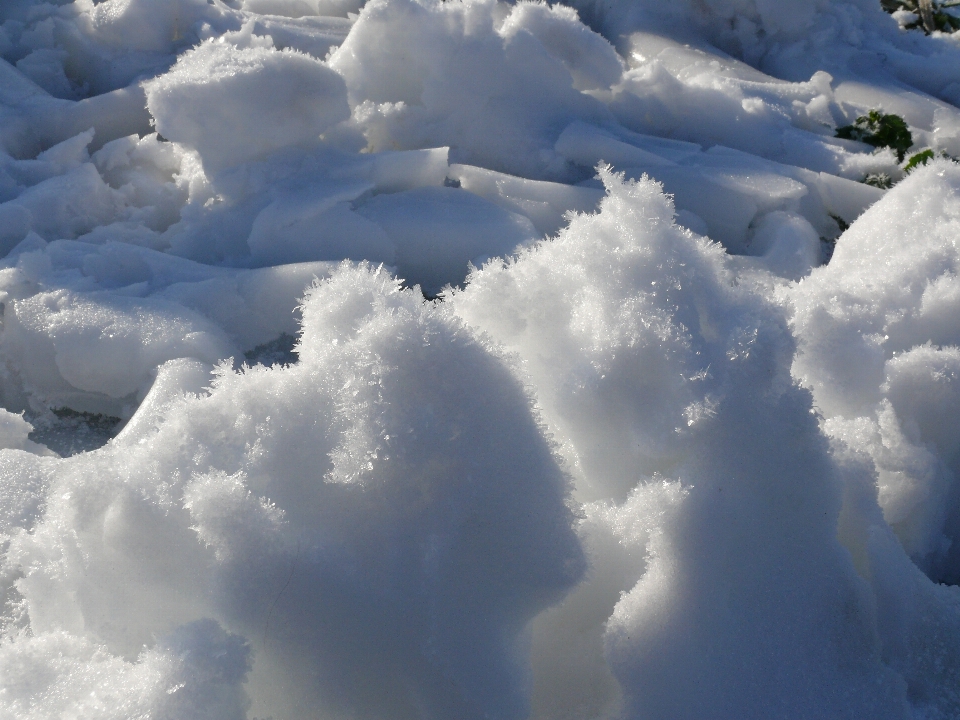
879,180
880,130
931,14
921,158
841,223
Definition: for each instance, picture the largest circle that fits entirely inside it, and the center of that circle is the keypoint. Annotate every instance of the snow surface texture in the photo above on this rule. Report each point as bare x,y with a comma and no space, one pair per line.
674,436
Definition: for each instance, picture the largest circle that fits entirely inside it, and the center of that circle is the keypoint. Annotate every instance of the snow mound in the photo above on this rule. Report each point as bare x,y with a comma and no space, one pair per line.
878,337
232,105
496,89
379,521
195,672
669,371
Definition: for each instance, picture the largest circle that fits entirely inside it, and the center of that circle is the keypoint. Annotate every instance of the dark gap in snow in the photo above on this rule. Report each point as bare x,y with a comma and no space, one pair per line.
70,432
279,351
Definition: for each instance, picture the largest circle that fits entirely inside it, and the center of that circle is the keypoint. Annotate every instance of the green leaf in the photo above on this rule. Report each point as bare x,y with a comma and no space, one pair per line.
880,130
921,158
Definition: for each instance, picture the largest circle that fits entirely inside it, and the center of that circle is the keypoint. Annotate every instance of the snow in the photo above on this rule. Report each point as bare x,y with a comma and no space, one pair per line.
668,371
879,349
233,105
476,359
459,545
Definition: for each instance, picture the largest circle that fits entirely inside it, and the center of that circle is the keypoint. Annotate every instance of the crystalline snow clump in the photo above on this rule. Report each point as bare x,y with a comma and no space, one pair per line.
670,371
380,521
878,334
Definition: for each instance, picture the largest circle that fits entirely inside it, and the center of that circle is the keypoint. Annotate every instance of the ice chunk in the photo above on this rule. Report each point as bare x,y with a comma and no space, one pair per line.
770,186
727,211
15,224
846,199
253,306
298,206
13,430
395,171
302,8
153,177
316,223
726,188
588,146
89,352
70,153
233,105
438,232
64,206
45,67
246,307
148,26
591,60
113,115
174,379
483,84
545,203
317,36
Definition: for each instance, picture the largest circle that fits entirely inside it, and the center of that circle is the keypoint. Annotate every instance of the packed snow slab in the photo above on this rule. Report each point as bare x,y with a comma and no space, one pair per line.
379,522
435,230
878,339
790,39
546,204
294,207
86,326
725,193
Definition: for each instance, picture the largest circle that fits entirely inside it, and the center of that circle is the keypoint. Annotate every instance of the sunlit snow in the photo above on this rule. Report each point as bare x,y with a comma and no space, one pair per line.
468,359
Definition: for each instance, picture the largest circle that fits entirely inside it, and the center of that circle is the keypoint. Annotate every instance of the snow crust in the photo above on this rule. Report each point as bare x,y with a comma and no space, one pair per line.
475,359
